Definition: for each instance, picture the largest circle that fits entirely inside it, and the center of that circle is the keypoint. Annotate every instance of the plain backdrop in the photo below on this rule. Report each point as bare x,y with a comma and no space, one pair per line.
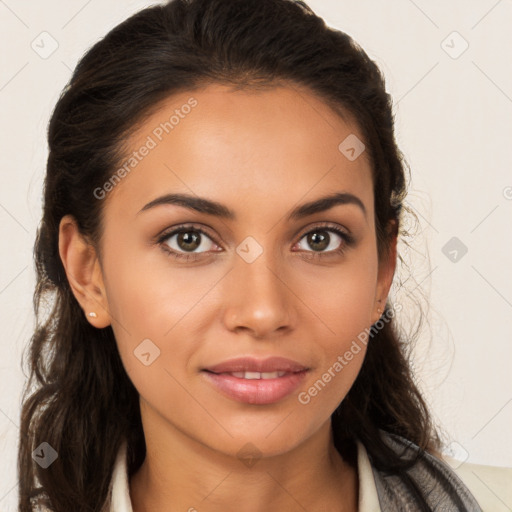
447,67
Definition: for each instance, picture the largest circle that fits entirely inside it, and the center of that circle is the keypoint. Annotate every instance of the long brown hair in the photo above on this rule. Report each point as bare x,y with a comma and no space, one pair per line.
78,397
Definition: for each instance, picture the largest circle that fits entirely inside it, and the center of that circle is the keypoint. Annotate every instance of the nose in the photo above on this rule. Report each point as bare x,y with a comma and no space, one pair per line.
258,299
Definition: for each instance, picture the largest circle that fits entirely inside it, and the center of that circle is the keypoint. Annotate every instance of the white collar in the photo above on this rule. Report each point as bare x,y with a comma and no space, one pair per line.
120,498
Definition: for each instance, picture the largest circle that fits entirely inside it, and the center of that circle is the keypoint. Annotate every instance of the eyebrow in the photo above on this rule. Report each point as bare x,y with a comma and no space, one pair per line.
209,207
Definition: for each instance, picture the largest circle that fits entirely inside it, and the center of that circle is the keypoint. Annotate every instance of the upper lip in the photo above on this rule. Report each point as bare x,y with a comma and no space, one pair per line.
251,364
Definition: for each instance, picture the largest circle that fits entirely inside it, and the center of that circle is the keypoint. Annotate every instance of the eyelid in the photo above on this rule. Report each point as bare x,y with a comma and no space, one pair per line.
328,226
168,232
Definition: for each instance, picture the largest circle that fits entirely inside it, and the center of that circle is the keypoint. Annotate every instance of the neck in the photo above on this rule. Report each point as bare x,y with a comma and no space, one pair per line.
180,473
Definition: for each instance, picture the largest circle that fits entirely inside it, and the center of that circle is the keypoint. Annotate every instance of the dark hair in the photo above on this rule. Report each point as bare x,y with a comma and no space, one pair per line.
79,398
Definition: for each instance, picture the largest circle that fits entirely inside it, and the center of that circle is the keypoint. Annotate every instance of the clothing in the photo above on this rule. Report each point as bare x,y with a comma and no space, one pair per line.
379,492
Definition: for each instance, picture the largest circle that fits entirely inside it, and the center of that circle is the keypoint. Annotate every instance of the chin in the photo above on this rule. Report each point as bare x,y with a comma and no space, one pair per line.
259,442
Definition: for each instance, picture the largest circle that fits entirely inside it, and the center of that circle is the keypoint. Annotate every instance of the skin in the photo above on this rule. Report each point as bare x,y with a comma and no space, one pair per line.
261,154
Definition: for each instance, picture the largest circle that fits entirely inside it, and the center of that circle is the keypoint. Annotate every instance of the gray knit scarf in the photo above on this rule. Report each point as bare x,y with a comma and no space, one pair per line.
429,485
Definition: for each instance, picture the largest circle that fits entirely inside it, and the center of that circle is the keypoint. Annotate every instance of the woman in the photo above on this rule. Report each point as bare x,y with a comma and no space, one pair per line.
221,211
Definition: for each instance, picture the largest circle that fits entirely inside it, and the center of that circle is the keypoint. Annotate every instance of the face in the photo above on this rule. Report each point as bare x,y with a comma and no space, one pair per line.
266,278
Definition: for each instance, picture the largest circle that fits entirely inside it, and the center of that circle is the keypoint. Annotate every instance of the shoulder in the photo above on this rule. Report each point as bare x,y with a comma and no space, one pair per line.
424,480
490,485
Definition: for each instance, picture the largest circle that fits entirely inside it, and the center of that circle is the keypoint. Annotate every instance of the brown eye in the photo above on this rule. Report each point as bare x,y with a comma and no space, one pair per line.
325,240
187,241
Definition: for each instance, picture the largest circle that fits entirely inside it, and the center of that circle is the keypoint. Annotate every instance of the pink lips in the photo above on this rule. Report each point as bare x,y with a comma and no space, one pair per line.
250,364
256,390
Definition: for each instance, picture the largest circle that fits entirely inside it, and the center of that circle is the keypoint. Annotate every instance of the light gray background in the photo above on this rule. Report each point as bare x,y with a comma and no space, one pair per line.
454,124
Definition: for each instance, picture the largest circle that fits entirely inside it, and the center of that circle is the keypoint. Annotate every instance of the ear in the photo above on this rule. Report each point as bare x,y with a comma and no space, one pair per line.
84,272
387,266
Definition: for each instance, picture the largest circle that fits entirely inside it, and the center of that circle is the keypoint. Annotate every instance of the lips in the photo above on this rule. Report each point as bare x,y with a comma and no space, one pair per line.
255,381
252,365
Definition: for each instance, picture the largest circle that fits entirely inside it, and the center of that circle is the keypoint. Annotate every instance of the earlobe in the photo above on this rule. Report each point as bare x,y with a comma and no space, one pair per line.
83,272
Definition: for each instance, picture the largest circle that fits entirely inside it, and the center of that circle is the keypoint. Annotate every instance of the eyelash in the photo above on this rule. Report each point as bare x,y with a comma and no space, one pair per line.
348,241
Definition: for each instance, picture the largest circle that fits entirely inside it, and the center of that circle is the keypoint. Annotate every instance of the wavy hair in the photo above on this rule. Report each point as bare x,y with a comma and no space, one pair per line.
78,397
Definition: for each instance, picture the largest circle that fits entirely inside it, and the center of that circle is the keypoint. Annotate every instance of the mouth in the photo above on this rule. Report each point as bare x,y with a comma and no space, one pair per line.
254,375
257,382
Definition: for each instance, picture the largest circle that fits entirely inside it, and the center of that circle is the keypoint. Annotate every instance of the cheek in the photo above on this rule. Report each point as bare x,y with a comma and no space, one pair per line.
341,356
342,297
342,302
150,304
148,295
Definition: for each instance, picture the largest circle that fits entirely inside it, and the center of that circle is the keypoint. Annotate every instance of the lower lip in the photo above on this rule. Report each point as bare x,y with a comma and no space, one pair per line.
256,391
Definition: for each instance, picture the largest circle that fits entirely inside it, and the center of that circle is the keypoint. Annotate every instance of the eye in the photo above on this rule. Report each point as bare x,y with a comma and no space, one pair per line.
189,242
326,240
186,242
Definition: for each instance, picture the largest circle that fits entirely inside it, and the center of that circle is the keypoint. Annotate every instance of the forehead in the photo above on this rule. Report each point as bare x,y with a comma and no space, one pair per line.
251,146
